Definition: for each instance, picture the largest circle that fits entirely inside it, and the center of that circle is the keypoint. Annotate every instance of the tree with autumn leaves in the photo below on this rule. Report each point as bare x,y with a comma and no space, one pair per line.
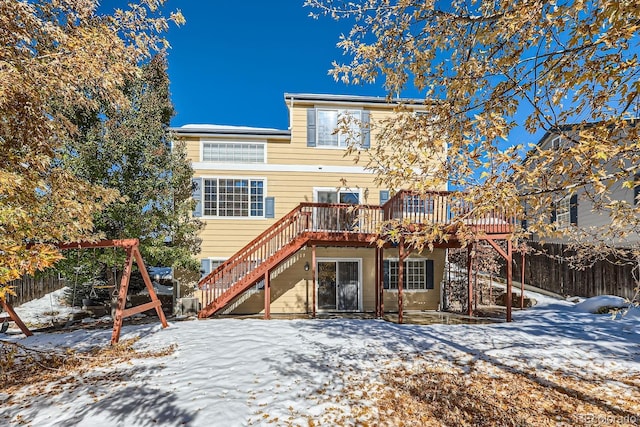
56,55
486,68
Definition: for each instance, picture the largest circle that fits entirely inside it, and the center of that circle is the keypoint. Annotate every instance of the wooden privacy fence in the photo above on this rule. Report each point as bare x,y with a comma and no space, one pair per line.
552,273
29,288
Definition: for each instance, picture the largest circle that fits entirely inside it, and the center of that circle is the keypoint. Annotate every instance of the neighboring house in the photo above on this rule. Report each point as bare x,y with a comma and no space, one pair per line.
575,208
291,222
548,266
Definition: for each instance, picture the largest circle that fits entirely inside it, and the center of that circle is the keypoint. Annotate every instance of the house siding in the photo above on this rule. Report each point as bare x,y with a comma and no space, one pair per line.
291,173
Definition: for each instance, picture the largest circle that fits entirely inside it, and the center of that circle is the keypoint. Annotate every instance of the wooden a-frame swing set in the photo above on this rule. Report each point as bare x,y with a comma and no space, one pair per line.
131,247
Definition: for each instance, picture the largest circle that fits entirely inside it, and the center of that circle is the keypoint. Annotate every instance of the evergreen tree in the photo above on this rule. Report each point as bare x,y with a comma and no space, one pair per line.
133,151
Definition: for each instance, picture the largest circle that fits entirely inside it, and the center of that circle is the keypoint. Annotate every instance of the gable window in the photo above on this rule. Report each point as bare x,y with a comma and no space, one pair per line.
556,142
418,274
233,152
233,197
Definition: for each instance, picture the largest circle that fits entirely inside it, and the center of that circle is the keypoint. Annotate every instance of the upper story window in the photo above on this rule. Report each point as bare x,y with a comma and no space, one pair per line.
322,125
233,152
327,123
233,197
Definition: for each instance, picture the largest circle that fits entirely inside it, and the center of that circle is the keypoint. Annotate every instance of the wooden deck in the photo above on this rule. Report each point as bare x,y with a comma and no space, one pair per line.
343,225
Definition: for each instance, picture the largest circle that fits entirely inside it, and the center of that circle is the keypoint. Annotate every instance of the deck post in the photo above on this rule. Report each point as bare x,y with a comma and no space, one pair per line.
377,281
522,283
509,260
470,279
313,279
267,296
401,257
381,282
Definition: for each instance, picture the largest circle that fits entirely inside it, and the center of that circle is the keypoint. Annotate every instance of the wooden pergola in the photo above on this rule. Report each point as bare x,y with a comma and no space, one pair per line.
131,247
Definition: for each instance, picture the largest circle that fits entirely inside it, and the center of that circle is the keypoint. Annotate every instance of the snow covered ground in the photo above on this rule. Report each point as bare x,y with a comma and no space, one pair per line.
233,372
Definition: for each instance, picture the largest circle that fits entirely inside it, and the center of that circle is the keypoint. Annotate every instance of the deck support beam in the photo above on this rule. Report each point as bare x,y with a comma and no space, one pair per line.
377,281
508,257
402,255
509,279
313,279
267,295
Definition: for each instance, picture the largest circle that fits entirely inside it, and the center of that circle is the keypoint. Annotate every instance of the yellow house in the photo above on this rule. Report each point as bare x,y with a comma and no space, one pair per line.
291,222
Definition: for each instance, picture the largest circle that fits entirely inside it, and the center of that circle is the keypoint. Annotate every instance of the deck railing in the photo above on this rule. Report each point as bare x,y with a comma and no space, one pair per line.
442,208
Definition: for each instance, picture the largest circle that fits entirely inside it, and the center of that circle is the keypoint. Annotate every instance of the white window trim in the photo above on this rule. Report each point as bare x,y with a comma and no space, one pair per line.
235,218
222,141
413,259
360,284
340,112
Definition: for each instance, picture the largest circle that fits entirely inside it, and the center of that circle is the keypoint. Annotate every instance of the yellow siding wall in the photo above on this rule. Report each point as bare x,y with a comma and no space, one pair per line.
292,287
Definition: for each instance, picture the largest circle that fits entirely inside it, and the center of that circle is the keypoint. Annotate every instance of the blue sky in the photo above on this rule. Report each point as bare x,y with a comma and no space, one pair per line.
232,61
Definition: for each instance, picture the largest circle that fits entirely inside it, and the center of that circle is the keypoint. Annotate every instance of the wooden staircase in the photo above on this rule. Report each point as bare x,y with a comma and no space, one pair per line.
309,221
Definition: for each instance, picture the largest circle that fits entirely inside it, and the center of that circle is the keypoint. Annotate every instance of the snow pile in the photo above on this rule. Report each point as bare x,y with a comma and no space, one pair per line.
601,304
